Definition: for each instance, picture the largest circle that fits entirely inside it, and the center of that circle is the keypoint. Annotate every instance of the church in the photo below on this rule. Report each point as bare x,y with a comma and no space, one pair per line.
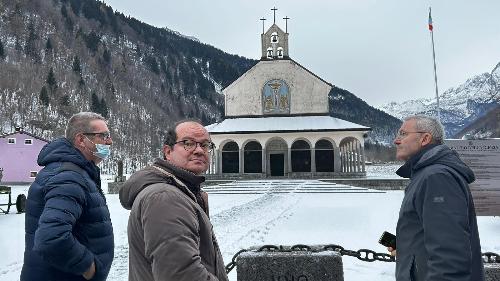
277,123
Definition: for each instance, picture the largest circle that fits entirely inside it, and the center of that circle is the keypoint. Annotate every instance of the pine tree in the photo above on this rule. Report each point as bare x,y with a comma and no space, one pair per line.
106,56
30,48
51,79
44,97
2,51
95,104
76,65
104,108
48,45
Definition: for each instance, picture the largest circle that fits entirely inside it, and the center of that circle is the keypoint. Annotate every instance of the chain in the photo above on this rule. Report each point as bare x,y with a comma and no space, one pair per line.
361,254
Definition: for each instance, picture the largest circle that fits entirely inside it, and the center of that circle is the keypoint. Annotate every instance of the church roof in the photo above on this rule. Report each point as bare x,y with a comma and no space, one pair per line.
286,124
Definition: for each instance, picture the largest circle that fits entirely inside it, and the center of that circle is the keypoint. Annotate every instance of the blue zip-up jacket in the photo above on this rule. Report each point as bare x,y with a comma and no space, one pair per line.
68,225
437,235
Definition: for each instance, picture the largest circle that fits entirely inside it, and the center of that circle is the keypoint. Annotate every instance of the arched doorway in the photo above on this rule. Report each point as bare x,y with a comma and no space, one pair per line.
252,157
324,155
230,158
301,156
276,153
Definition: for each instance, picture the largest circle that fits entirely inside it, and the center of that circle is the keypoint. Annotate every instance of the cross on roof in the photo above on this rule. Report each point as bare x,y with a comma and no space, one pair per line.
274,10
262,19
286,18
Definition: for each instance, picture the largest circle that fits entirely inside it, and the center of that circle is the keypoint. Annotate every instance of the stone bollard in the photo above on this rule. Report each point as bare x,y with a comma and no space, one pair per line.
114,187
301,265
492,271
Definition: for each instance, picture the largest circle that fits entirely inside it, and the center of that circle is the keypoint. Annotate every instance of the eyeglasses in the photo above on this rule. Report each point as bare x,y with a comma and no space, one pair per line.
103,136
190,145
402,134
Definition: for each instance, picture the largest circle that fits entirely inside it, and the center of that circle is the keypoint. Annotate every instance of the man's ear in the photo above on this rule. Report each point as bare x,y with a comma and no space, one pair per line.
426,139
79,140
166,151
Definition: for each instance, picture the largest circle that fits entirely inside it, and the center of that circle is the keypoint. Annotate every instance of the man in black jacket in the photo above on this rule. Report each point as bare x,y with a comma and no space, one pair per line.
69,235
437,236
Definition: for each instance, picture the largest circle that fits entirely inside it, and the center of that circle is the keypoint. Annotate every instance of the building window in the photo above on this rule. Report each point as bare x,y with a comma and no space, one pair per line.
33,174
11,141
28,141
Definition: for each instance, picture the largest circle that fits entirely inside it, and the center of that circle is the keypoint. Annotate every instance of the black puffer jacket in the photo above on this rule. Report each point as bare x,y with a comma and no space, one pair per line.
437,235
67,220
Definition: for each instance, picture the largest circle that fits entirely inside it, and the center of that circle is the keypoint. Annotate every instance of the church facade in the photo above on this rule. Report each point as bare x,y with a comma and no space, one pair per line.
277,123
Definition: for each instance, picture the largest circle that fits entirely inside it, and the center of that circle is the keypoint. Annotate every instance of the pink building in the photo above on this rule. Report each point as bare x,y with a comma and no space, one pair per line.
18,154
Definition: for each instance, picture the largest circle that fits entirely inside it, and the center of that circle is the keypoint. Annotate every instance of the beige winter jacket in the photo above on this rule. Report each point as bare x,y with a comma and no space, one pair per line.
170,235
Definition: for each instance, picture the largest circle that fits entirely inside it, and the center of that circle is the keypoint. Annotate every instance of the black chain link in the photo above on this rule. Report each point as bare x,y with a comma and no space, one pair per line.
361,254
490,257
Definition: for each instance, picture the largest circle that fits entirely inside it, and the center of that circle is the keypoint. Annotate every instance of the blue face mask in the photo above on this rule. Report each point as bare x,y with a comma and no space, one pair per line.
102,150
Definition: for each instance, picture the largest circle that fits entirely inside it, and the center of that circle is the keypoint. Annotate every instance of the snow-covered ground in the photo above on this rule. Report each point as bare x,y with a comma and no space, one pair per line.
283,213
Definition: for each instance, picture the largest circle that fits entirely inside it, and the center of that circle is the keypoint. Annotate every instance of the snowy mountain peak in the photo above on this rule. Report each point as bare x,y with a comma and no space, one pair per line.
459,105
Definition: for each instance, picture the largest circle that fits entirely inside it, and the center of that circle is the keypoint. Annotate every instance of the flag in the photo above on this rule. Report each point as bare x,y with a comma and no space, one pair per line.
430,20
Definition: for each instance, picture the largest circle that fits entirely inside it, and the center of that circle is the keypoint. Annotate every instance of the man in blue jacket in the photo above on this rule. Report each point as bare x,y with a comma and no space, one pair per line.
437,236
69,235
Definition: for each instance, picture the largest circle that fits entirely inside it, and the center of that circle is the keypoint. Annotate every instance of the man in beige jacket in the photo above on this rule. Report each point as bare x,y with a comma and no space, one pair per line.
169,232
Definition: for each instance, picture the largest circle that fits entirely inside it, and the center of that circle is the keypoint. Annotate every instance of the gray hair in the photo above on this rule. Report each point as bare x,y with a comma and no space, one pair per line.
80,123
430,125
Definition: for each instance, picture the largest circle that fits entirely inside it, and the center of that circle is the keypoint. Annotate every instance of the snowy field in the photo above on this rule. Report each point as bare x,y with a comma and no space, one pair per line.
255,213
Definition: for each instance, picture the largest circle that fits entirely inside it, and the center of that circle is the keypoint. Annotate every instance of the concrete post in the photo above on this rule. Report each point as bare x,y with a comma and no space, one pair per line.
295,265
492,271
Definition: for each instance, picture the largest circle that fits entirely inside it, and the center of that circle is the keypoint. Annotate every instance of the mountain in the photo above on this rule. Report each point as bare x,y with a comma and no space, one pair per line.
64,56
460,106
60,57
486,126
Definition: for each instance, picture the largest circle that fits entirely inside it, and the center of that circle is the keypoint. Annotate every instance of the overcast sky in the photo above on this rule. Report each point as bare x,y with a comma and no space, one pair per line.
380,50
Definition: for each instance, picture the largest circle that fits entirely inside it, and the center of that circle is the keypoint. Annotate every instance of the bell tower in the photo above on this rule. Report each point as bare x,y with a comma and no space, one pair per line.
274,41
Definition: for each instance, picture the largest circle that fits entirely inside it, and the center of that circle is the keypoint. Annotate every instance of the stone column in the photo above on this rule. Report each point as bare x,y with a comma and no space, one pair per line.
349,157
313,160
219,162
336,160
240,160
264,162
363,159
358,164
289,161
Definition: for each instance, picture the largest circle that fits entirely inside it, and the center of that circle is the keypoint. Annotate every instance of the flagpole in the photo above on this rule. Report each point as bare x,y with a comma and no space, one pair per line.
434,60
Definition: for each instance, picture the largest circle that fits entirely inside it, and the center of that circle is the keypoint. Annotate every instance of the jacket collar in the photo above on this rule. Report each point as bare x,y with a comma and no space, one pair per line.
406,171
191,180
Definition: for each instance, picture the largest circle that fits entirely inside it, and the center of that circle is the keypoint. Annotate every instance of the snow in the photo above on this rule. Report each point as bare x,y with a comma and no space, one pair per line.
282,214
293,123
